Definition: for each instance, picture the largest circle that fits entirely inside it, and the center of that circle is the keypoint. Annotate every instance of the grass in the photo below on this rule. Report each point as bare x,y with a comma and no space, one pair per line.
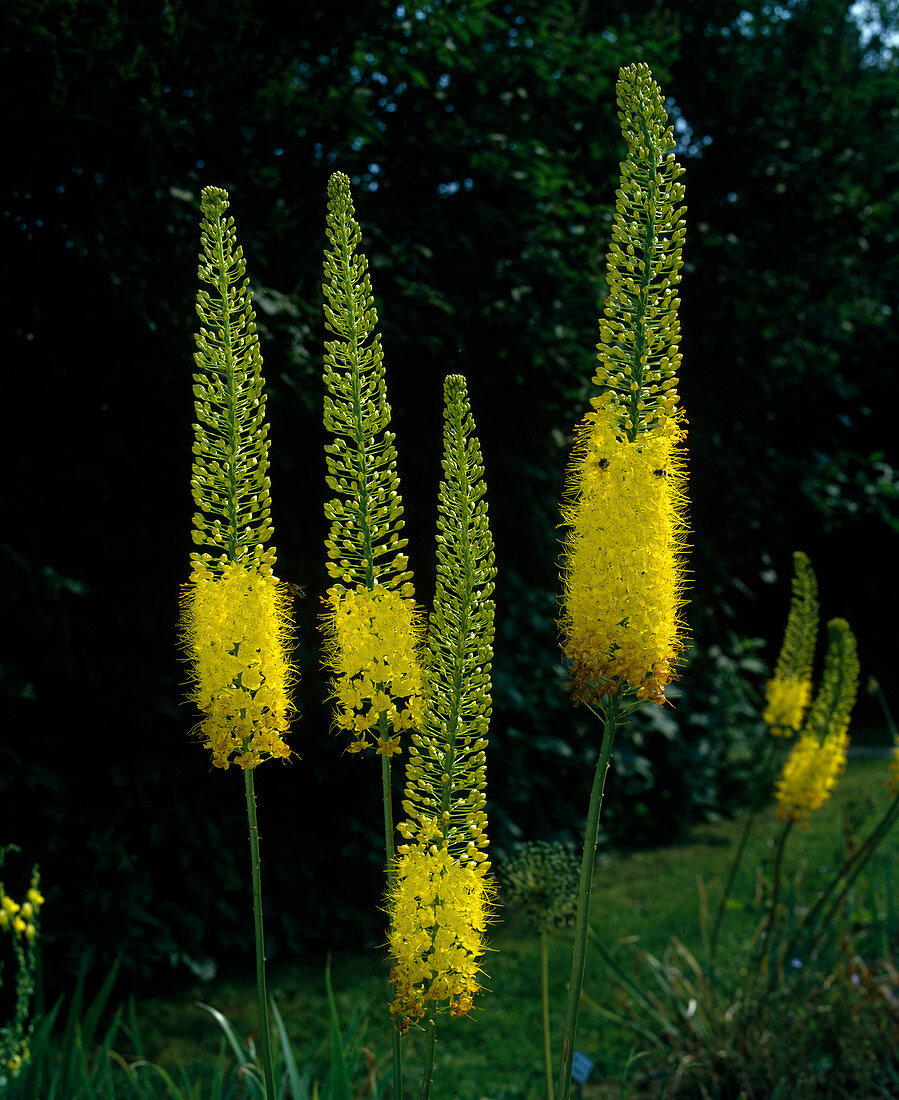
497,1055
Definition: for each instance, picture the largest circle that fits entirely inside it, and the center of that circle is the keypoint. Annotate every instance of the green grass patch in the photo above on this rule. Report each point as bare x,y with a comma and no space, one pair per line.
642,897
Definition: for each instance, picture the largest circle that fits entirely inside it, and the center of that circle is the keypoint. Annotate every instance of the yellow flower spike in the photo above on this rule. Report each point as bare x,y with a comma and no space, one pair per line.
440,898
625,501
235,624
439,911
789,692
819,755
372,626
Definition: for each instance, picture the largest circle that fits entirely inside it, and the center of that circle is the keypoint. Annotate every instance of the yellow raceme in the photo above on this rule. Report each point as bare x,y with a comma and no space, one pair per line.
810,774
623,575
786,702
789,692
236,630
373,641
439,912
819,755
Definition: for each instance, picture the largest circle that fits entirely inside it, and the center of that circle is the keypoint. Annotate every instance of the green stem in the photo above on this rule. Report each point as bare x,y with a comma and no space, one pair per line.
767,934
430,1049
547,1045
847,875
387,791
767,772
265,1041
579,954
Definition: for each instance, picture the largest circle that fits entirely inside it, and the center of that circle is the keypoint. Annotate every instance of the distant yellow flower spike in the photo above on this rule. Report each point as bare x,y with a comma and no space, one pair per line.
810,774
439,911
236,629
787,702
623,578
373,639
819,756
788,693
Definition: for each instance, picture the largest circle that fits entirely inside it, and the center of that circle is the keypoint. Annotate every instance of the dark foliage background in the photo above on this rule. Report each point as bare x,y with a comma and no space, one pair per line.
483,144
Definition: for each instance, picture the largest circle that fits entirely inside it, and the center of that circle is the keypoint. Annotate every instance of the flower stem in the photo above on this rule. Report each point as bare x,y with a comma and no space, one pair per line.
579,955
430,1049
547,1044
767,773
264,1032
810,927
767,963
387,790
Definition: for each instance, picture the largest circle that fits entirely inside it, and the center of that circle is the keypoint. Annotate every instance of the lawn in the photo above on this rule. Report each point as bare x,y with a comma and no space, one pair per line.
641,898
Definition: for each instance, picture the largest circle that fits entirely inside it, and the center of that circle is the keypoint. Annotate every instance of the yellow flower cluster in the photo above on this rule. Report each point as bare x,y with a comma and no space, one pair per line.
373,640
788,694
20,917
623,576
786,703
819,756
236,630
810,774
439,912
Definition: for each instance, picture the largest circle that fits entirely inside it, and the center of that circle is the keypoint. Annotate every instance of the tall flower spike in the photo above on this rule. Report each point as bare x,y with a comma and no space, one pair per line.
439,903
373,628
235,624
625,502
819,755
788,693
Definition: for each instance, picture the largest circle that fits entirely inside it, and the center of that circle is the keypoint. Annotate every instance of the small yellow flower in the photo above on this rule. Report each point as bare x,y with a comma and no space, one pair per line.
35,897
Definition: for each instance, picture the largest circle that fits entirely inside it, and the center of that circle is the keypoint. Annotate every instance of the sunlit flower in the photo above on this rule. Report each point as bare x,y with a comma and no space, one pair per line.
624,507
623,574
439,912
236,628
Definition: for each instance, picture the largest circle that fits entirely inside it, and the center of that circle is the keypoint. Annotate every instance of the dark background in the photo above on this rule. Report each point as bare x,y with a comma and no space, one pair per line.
483,144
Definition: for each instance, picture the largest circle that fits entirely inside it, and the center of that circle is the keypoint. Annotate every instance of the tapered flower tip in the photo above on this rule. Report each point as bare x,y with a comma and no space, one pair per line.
214,201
